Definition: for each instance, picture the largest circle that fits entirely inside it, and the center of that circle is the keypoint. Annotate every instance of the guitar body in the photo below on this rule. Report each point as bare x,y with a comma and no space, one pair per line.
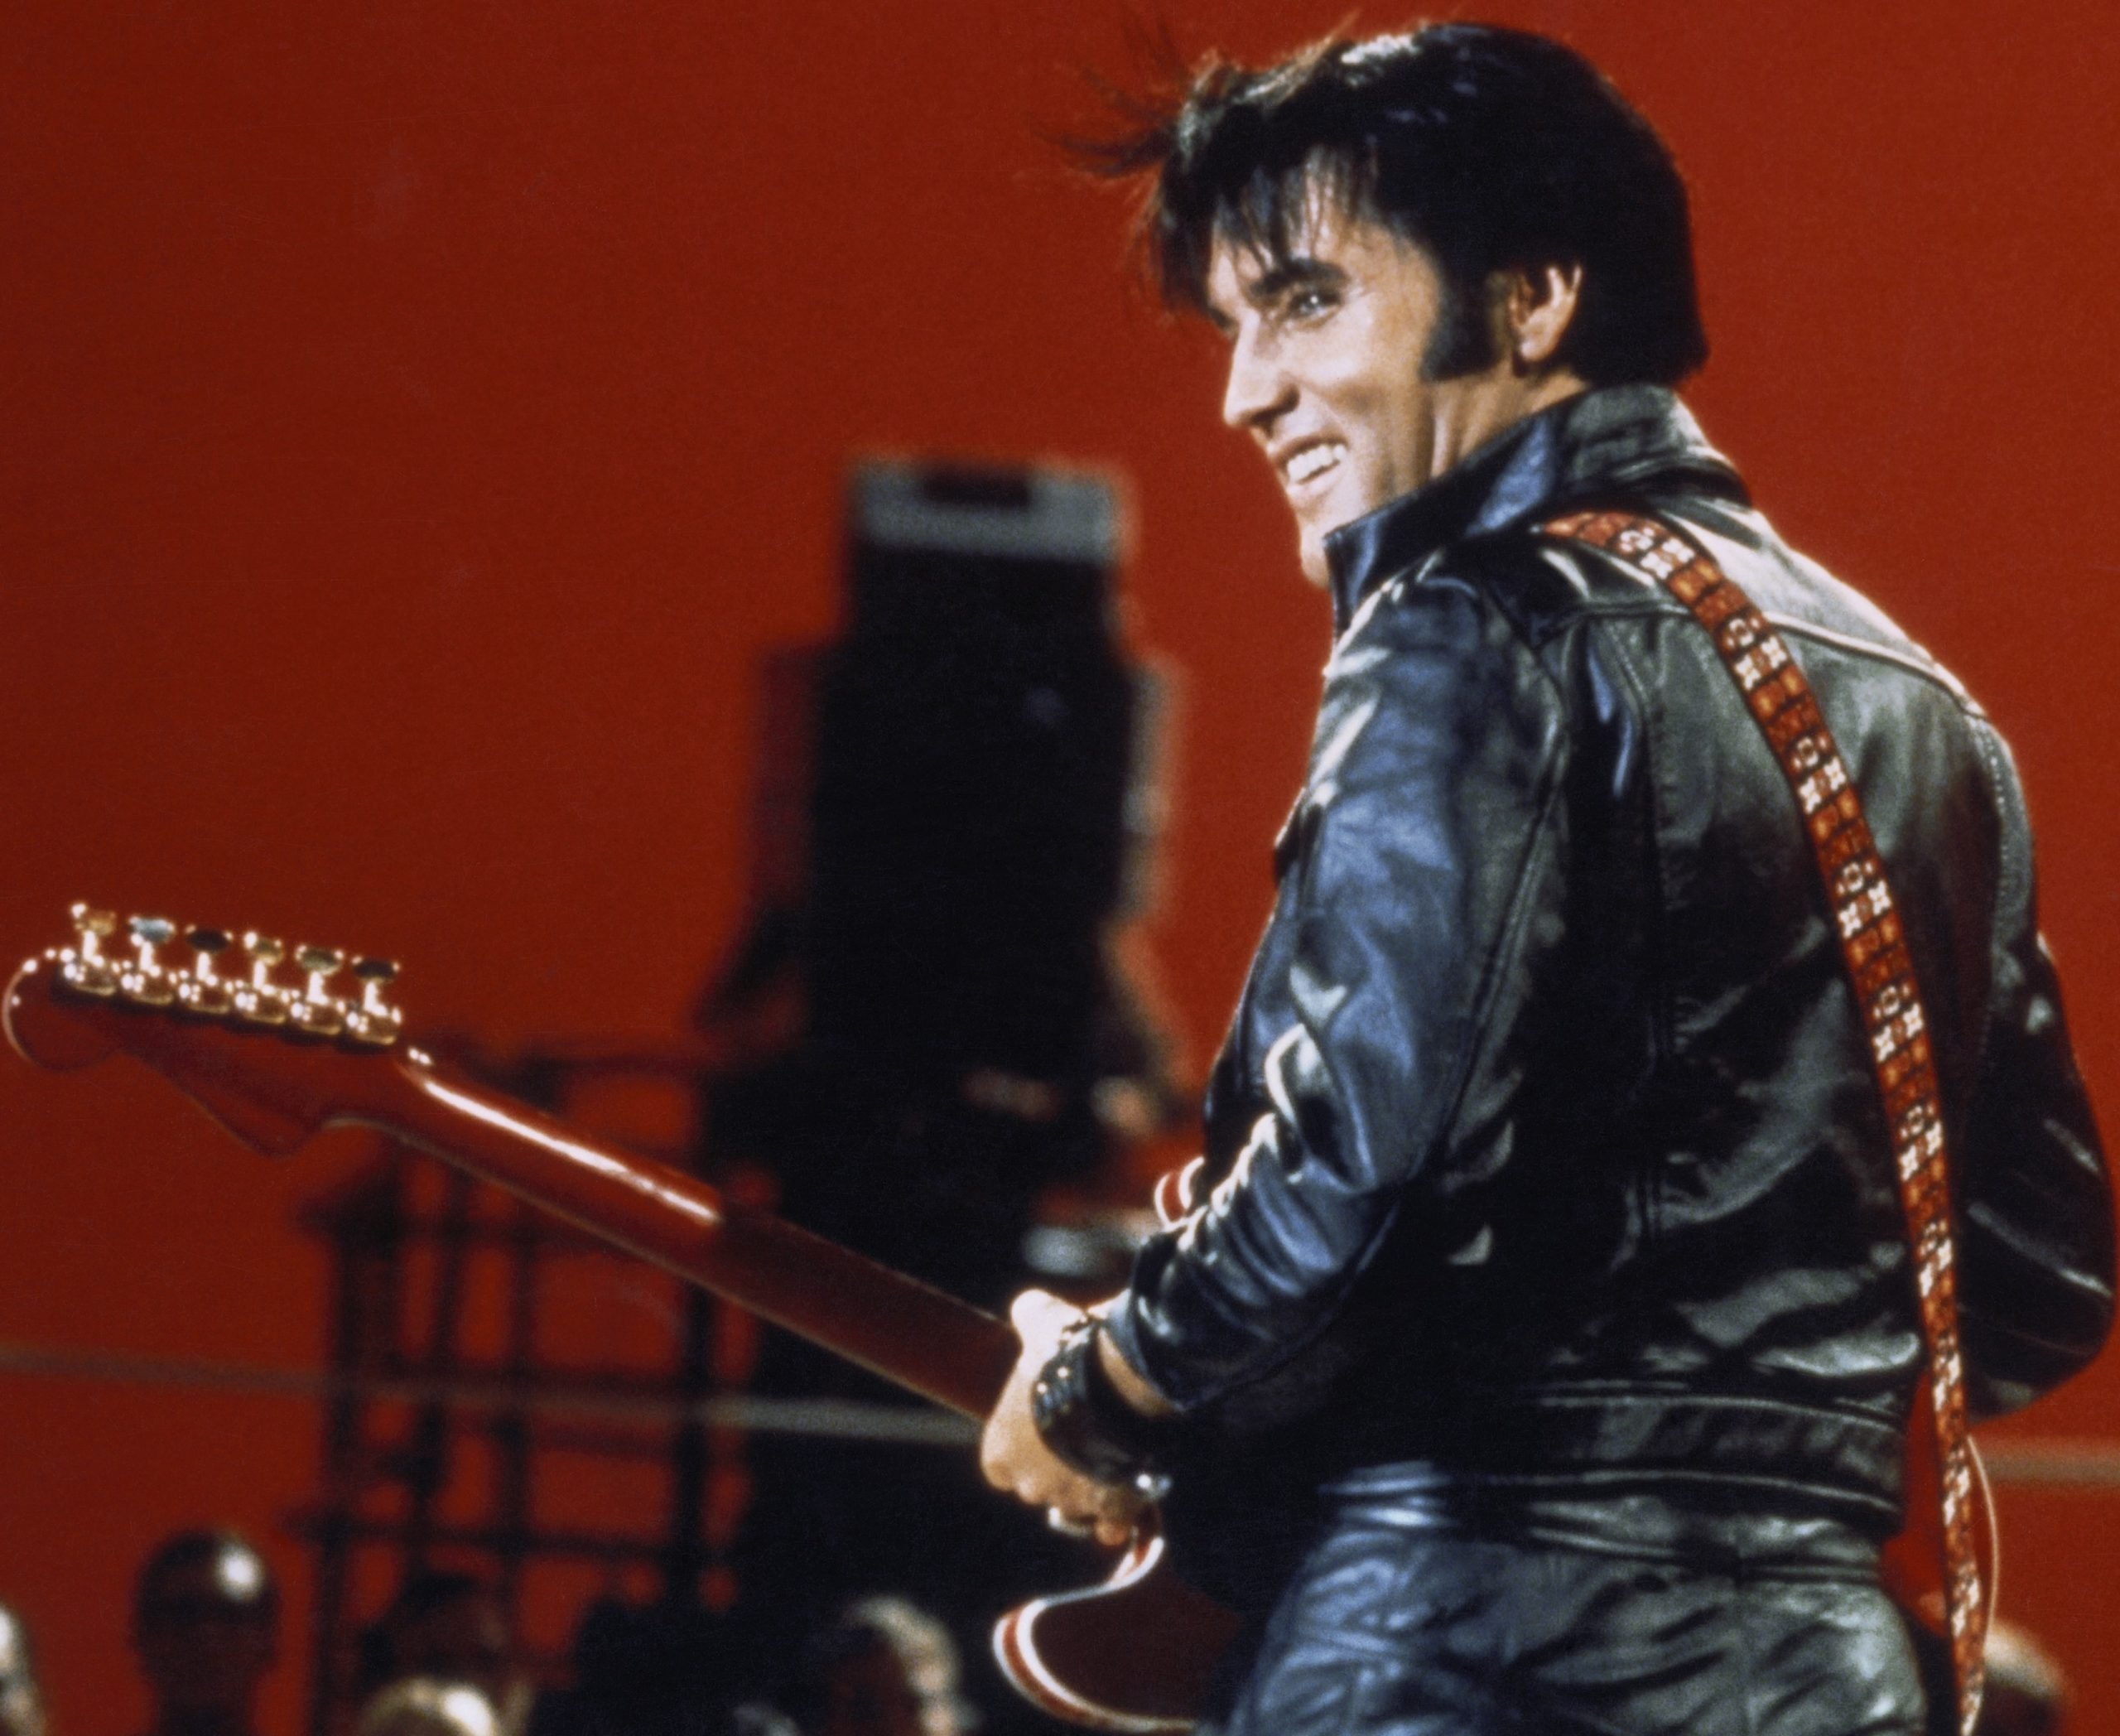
1135,1655
275,1062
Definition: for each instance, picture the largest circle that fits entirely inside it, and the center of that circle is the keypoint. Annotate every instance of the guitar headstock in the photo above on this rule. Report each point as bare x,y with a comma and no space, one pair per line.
271,1039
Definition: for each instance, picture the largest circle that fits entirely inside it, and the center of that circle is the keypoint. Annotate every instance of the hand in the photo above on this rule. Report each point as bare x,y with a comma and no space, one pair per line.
1016,1460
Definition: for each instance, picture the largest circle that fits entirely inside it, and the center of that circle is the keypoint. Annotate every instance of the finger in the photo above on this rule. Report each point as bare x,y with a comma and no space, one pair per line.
1040,1317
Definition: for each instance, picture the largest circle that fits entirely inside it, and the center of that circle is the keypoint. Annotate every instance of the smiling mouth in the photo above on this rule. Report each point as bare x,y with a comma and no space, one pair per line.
1313,462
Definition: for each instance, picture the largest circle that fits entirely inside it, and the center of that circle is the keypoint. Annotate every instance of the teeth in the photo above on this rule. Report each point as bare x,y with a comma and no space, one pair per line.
1311,459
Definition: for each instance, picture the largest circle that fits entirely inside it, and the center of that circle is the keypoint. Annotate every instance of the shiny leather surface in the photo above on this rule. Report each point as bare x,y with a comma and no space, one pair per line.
1544,1147
1400,1622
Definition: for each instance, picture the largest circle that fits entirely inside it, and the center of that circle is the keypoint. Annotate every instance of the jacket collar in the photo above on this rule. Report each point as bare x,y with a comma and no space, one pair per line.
1596,444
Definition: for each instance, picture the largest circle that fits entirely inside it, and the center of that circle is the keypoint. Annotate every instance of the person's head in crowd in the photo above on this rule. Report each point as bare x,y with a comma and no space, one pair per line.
425,1705
882,1667
22,1702
448,1626
206,1629
656,1668
2027,1695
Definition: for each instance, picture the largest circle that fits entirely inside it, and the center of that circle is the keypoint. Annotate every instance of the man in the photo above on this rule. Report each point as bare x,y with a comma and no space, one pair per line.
883,1667
1533,1353
21,1701
206,1628
447,1626
428,1706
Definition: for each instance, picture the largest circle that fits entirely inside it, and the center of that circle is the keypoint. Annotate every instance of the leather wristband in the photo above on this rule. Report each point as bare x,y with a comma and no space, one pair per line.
1080,1415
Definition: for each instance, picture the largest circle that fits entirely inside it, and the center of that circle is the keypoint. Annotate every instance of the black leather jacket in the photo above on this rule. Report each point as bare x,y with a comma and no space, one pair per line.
1544,1145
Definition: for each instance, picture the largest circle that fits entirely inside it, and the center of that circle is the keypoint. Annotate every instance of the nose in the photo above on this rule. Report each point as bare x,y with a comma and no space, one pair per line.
1257,392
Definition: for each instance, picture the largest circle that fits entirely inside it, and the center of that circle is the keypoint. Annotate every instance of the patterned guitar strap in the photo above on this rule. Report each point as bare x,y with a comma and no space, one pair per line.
1873,948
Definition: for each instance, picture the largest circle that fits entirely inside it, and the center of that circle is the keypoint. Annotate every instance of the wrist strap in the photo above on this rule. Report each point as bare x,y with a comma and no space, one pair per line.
1081,1416
1881,972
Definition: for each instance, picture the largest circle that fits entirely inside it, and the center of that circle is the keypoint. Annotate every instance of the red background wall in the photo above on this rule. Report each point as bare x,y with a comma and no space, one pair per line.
418,419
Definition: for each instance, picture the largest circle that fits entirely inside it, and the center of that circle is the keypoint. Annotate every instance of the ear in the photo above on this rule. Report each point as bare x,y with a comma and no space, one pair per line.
1537,307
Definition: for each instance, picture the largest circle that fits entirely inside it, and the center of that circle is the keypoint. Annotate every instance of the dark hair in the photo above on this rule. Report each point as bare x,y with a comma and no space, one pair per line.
423,1592
244,1584
1488,148
870,1625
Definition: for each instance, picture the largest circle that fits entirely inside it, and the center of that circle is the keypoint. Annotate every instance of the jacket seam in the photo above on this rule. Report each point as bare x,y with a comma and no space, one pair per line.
2008,890
1662,1026
1585,617
1912,663
1648,604
1505,949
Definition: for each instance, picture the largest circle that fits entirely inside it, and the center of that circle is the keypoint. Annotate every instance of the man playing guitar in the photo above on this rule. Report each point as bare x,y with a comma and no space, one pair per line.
1533,1351
1649,1092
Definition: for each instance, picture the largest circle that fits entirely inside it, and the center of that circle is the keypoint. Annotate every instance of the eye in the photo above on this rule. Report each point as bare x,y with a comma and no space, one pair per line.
1312,301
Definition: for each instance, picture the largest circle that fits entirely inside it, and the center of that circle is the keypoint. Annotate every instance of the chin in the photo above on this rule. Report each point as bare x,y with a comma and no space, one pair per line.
1310,557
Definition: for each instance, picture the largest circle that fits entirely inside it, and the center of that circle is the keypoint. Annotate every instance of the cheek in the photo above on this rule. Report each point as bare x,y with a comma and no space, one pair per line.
1377,411
1405,438
1385,464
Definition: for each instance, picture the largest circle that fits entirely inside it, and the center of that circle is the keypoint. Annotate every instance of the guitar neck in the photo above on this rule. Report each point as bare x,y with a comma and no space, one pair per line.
263,1062
894,1325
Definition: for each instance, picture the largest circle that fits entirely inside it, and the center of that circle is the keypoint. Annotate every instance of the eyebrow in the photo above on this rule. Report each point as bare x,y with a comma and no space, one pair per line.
1298,271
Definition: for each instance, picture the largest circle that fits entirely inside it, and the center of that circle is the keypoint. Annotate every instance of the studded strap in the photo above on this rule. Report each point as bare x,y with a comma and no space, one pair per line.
1880,970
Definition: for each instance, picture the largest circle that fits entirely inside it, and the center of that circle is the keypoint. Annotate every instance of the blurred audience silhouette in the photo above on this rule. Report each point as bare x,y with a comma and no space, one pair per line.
441,1661
2027,1695
21,1701
446,1628
206,1630
425,1705
882,1667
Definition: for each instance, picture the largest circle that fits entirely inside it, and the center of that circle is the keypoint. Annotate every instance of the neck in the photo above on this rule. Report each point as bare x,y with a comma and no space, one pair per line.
1488,405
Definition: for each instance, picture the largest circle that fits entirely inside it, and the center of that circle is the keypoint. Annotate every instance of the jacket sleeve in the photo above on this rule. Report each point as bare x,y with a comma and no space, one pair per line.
2034,1206
1430,806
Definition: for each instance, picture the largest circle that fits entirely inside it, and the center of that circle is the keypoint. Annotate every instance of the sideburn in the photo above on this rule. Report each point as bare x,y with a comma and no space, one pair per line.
1463,341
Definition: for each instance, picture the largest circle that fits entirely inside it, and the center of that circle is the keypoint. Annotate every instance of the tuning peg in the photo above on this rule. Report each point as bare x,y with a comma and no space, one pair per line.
317,1011
199,990
374,1021
261,1001
82,966
143,981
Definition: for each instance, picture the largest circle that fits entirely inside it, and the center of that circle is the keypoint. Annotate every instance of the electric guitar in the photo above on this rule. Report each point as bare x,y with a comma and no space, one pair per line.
292,1042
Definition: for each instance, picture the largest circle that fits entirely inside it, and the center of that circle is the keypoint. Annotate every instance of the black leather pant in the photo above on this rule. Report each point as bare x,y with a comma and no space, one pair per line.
1423,1610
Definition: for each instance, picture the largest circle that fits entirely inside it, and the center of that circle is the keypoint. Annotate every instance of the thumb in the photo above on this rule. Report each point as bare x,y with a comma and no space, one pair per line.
1040,1317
